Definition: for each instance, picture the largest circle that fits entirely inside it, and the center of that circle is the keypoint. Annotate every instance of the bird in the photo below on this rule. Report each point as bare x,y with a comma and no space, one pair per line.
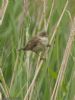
37,44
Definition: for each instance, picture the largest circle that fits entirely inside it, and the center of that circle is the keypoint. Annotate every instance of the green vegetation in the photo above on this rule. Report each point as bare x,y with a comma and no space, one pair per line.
18,69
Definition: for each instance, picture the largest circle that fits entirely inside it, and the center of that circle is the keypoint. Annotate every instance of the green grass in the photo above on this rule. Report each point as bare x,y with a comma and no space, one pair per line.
16,29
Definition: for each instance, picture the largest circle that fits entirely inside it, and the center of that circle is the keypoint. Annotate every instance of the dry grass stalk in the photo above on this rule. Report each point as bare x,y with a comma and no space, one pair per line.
63,67
69,14
3,10
48,21
26,8
26,13
4,83
0,95
44,14
40,64
14,72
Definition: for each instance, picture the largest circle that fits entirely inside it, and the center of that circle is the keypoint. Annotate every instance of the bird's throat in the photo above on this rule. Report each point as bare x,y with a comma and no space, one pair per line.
44,40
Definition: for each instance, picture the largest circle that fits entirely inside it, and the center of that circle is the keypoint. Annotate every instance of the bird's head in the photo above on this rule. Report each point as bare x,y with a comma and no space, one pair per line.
43,34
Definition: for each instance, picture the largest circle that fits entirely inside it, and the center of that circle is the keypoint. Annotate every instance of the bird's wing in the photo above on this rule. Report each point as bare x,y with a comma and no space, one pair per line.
32,43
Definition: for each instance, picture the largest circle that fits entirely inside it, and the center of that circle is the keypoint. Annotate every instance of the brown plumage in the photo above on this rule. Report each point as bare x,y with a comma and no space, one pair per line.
37,43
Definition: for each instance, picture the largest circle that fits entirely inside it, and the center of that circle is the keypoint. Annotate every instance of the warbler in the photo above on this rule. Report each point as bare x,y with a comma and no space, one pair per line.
37,43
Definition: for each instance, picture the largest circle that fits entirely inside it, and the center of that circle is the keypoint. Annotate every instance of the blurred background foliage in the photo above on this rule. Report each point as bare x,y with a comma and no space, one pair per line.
19,25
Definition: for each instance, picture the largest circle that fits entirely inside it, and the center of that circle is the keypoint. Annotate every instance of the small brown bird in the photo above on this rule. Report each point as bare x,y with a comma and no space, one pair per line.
37,43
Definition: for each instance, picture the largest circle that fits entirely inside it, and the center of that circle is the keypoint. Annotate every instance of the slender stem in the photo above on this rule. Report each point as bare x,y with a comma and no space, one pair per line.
40,64
48,21
14,72
3,10
64,61
44,13
4,83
